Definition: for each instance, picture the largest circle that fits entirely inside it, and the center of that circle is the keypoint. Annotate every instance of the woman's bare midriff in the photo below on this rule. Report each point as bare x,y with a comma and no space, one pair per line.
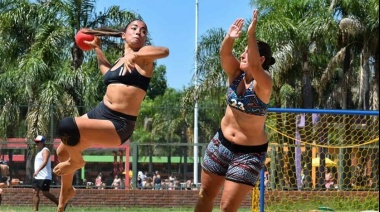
125,99
243,129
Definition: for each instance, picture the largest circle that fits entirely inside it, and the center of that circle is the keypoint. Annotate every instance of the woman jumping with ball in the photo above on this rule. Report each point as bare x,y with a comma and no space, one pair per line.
112,122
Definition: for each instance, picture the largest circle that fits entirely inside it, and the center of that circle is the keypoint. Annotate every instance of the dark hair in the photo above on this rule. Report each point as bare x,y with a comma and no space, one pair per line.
104,31
125,28
265,50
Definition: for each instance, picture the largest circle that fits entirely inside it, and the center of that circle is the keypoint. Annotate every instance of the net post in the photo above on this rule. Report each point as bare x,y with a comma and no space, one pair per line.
257,203
262,189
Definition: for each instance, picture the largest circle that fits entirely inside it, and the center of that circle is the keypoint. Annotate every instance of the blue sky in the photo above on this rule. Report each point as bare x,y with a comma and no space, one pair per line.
171,23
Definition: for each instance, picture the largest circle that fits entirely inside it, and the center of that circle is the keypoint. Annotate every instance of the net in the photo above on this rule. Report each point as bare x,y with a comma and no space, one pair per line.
331,158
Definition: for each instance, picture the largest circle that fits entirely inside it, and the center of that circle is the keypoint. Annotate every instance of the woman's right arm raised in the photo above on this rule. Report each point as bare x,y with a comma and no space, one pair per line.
229,62
104,64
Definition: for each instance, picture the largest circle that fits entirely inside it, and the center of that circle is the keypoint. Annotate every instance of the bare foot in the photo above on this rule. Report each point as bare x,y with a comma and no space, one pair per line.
68,167
64,198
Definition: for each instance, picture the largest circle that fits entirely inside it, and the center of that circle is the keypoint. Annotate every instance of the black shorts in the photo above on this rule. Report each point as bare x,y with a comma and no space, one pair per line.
43,185
124,124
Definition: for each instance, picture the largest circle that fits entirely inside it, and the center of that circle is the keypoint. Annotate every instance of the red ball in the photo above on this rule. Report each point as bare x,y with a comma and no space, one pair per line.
80,37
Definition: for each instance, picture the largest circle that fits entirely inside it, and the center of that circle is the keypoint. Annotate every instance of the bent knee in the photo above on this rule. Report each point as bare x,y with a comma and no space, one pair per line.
69,131
205,195
62,154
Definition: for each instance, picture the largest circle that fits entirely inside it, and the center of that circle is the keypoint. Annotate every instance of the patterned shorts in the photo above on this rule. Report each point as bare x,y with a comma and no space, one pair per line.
240,164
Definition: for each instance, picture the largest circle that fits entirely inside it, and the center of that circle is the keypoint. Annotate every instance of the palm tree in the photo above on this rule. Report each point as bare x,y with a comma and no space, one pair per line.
160,121
34,53
45,74
359,35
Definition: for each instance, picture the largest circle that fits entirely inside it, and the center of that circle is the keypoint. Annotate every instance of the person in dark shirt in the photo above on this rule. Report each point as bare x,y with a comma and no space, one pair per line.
157,181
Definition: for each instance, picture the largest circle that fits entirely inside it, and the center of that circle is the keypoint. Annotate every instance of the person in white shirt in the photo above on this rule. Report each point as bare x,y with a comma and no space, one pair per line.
42,173
116,182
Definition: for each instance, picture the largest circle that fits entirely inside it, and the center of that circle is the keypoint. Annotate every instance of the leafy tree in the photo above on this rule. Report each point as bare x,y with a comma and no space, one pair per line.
158,83
358,35
160,121
45,71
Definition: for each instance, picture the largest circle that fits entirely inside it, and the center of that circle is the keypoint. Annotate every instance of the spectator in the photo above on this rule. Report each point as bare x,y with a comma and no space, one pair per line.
157,181
130,175
116,182
144,176
172,179
99,181
329,179
188,185
139,179
4,174
148,182
266,180
360,179
42,173
143,179
5,178
302,178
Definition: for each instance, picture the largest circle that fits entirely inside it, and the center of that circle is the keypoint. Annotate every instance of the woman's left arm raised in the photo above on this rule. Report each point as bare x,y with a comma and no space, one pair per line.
263,78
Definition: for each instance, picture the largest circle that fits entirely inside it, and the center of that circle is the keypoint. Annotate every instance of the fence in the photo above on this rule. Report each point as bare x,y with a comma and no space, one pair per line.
322,150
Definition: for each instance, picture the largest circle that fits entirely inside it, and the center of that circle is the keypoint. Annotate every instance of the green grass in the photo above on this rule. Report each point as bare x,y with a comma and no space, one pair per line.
284,208
336,203
302,205
101,209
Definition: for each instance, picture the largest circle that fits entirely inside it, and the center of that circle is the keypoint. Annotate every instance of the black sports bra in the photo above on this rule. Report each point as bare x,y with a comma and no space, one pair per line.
133,78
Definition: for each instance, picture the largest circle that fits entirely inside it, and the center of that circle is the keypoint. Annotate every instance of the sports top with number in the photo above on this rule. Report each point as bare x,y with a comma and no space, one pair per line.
45,173
133,78
248,102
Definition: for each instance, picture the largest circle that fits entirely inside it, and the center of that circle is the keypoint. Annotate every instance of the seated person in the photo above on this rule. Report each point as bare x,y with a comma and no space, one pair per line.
188,185
329,179
116,182
5,176
148,183
4,173
99,181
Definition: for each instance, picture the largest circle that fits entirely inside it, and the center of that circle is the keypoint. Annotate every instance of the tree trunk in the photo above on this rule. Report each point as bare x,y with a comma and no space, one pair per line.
375,85
364,80
29,169
307,103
